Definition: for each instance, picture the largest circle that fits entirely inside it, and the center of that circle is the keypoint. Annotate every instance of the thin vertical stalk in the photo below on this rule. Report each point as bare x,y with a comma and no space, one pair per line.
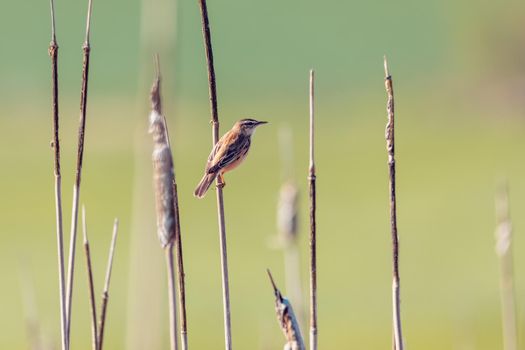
80,155
53,53
180,269
105,292
220,200
313,224
390,145
504,252
172,296
179,256
89,269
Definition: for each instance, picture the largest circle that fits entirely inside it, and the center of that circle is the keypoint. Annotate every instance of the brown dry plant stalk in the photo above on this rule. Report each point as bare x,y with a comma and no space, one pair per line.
287,320
504,252
390,145
172,295
313,224
180,260
105,292
180,270
86,48
89,269
164,197
53,53
220,201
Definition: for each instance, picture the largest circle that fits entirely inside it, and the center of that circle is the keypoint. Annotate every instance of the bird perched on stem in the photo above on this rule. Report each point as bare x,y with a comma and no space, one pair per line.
227,154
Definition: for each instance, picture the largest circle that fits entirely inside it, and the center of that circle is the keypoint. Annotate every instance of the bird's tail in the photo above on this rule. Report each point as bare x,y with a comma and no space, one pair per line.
204,185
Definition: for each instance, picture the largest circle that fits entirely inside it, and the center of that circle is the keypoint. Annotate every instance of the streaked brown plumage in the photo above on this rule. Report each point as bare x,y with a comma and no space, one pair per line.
228,153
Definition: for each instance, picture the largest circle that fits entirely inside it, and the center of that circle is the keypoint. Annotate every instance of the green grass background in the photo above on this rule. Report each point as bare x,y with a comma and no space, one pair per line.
458,75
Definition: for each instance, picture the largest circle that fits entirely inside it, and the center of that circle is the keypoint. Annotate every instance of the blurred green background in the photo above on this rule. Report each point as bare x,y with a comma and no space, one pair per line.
459,78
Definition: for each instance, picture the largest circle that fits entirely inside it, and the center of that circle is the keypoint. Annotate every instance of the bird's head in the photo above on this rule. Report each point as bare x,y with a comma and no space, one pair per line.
248,125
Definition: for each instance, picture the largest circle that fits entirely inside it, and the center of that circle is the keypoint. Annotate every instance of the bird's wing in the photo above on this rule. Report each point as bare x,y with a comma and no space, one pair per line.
218,150
213,153
229,151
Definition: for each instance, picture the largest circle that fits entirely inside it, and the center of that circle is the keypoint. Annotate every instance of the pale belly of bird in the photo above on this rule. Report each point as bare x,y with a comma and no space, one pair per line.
235,163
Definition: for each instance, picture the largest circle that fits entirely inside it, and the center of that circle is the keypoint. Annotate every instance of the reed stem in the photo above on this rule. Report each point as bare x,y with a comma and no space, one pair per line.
86,48
220,200
180,270
172,296
313,225
91,287
390,146
53,53
105,292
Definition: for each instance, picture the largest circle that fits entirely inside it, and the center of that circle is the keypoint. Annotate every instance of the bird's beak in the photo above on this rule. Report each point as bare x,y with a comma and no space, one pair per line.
261,123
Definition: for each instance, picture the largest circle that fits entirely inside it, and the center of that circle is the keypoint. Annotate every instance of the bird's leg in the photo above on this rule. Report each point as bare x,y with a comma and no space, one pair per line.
221,183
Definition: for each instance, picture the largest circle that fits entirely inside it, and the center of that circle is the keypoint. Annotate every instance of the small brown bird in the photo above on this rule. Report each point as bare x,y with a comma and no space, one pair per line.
228,153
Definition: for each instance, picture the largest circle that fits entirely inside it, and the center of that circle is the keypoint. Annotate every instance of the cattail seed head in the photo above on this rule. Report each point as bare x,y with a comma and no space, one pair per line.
287,320
162,171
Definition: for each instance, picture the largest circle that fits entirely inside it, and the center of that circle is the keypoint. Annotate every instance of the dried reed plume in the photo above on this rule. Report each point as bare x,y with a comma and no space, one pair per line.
504,252
287,320
89,269
53,53
389,136
162,170
164,197
313,225
178,245
105,292
86,48
220,202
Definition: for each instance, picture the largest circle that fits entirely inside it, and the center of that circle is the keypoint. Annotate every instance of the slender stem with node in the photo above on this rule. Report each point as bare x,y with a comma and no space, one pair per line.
220,200
89,269
105,292
80,156
53,53
313,225
390,145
